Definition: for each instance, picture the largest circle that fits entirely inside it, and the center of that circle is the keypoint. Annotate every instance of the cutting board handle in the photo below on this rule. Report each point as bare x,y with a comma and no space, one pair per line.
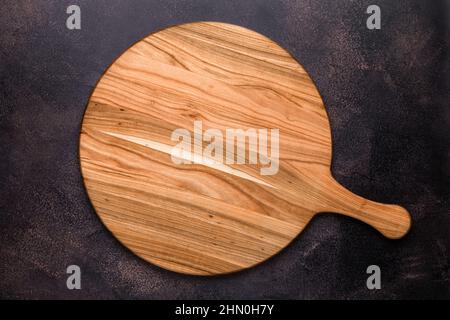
392,221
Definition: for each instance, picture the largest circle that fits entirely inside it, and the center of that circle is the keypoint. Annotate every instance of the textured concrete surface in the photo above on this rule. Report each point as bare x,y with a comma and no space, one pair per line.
386,92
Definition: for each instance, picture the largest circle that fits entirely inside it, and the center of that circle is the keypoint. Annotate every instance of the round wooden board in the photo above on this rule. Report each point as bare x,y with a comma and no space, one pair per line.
185,209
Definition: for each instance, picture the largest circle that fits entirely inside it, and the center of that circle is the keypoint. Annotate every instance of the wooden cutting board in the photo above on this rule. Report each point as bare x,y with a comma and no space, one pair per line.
206,149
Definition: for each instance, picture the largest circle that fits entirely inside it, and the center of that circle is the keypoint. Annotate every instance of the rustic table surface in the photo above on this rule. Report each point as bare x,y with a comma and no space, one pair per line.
385,93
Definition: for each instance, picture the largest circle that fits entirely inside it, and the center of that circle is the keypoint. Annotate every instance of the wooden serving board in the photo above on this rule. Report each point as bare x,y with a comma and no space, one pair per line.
151,143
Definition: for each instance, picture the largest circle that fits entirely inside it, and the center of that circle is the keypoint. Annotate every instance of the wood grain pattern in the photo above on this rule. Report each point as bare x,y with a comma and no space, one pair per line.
212,218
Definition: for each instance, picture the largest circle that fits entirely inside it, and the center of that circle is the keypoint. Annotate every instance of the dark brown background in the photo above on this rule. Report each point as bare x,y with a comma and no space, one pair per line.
387,95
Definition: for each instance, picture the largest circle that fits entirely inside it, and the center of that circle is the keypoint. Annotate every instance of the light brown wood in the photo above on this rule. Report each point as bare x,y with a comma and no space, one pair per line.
205,217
